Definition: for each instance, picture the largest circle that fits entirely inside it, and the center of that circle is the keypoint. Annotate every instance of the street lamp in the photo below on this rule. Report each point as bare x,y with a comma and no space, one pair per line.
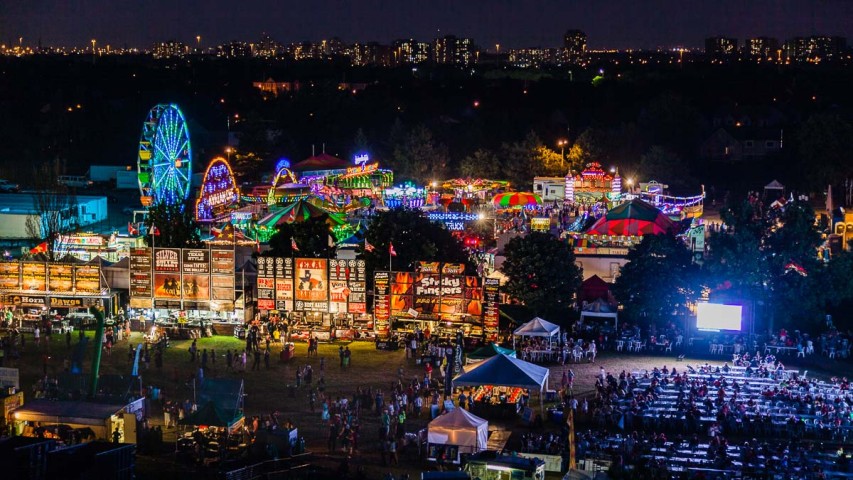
228,151
562,144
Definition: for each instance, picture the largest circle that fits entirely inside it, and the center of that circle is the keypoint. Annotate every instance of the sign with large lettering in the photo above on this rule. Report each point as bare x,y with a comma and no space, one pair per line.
27,300
284,284
312,287
66,302
167,273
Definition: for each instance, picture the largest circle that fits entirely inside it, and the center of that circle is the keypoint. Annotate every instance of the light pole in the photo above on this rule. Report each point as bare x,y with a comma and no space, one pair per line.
562,144
93,50
228,151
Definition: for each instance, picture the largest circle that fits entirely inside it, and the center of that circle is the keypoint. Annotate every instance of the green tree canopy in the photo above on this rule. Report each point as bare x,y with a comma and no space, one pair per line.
312,237
542,272
418,156
176,225
483,163
660,280
826,150
415,238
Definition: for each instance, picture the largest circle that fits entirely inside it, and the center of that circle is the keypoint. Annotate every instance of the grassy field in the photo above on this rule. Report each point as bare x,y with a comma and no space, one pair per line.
267,390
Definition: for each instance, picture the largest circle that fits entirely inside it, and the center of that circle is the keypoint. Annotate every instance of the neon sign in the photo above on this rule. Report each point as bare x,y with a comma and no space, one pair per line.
218,190
362,159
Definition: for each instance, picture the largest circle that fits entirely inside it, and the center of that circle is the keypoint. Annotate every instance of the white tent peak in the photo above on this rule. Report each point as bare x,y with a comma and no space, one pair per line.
537,327
458,417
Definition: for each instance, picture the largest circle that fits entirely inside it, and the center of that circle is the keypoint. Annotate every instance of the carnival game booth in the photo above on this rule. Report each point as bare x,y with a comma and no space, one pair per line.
456,433
94,419
488,351
500,383
538,328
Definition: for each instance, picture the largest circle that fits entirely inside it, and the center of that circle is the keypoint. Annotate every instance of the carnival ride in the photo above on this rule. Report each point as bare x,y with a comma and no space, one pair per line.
164,161
219,191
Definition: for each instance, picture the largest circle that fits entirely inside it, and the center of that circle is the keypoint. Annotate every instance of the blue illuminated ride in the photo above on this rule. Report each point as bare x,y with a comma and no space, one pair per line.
164,164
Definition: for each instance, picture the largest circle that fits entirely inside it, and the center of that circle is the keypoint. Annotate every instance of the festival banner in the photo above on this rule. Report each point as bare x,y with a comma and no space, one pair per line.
312,287
473,297
167,285
382,302
167,260
33,276
357,284
71,302
401,294
27,300
491,315
266,283
195,261
195,281
284,284
87,279
338,296
427,293
60,278
222,287
222,269
10,275
141,278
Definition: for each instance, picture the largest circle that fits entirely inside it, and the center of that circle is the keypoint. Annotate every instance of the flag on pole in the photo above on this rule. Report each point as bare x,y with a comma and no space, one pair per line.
40,248
154,231
391,250
131,229
293,245
331,242
367,246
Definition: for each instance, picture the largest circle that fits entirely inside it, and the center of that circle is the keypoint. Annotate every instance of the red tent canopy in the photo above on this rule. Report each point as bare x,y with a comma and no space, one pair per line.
323,161
594,288
634,218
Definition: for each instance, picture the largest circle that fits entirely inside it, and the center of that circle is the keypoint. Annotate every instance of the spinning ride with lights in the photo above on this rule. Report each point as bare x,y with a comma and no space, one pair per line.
164,163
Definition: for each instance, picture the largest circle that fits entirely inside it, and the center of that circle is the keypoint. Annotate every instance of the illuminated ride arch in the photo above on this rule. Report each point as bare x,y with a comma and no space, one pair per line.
164,160
285,186
219,191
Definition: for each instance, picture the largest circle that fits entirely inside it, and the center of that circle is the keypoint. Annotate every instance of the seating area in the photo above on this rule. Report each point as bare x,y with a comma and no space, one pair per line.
653,455
758,399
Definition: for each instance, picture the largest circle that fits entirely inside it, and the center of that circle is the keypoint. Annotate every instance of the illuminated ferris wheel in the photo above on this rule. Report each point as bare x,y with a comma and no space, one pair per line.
164,164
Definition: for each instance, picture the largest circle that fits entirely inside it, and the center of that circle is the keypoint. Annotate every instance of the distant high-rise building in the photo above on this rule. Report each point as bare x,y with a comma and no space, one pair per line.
235,50
371,53
574,45
169,49
267,47
532,57
761,47
451,50
720,46
409,51
816,48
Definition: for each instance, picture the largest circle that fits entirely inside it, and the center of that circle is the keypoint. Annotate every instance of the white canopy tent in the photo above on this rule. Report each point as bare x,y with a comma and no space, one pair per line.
459,428
586,314
504,371
536,328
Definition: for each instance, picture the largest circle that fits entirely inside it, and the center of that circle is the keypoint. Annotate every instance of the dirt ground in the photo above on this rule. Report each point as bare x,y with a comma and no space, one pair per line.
267,390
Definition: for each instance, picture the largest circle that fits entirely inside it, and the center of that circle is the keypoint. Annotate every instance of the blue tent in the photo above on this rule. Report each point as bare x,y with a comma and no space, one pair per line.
489,351
505,371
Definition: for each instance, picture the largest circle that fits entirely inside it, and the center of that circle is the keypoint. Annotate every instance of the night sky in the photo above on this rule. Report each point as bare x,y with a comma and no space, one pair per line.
512,23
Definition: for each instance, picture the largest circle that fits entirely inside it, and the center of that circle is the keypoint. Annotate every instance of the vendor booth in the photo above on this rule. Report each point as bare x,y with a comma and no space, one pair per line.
537,328
99,420
500,383
455,433
486,352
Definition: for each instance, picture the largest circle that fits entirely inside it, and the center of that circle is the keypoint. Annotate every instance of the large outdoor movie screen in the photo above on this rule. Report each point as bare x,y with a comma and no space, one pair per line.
714,317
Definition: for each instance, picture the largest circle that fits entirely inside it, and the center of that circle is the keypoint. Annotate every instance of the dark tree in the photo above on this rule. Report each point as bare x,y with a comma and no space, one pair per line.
415,238
541,272
176,225
313,239
660,280
55,208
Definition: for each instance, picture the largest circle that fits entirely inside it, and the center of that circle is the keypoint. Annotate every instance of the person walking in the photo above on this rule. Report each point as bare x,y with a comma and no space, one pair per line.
256,365
340,354
193,350
267,359
229,360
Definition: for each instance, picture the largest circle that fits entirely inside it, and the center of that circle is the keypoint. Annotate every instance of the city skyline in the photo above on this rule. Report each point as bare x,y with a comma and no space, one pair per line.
620,24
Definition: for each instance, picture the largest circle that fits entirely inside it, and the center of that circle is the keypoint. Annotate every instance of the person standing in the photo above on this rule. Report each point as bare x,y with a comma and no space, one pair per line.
229,360
37,339
256,365
340,354
267,359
